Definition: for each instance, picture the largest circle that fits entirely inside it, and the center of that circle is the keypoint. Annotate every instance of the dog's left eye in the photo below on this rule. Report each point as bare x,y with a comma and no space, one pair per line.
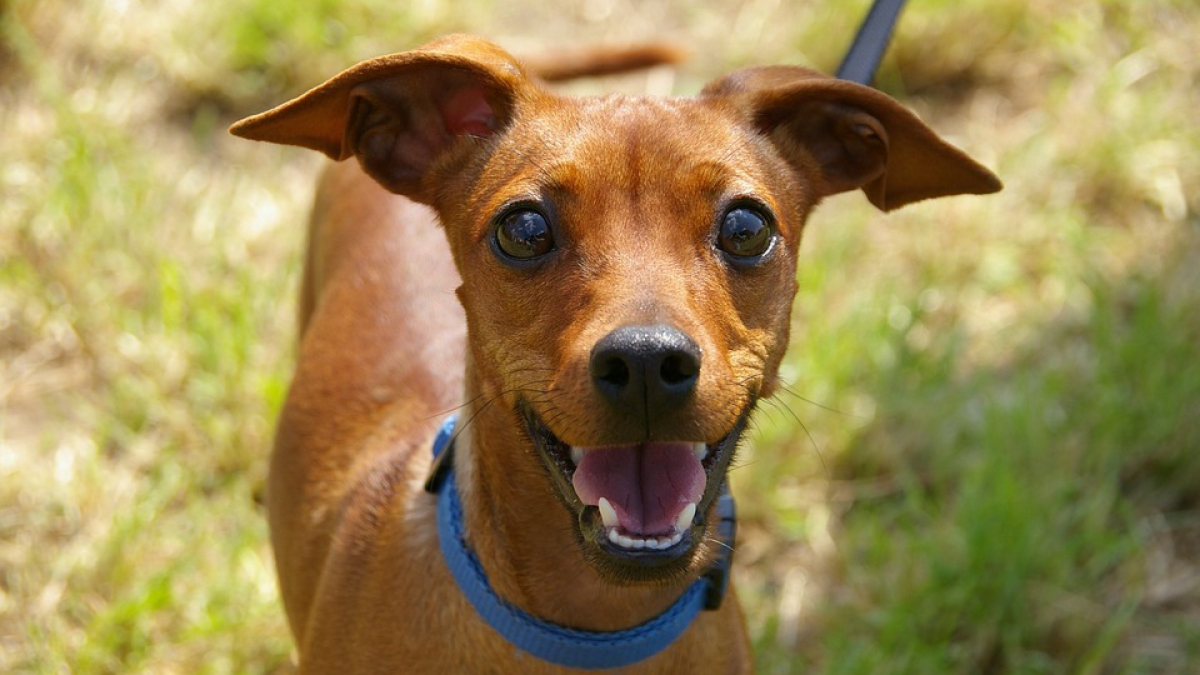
745,233
524,234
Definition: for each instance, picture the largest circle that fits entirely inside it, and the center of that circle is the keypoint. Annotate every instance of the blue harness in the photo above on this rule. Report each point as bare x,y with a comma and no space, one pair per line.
552,642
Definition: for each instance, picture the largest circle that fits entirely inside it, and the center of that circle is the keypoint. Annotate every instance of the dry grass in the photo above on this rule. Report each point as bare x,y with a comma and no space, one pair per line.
1008,480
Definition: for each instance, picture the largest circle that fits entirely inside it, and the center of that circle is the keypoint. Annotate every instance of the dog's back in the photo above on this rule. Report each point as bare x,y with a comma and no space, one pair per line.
391,371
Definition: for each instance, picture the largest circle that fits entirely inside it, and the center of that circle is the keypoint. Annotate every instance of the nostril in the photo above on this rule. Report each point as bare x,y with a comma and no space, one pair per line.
639,368
613,371
677,369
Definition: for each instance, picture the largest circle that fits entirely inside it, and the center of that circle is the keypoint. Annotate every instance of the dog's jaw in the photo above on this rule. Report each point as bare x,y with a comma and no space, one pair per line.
625,540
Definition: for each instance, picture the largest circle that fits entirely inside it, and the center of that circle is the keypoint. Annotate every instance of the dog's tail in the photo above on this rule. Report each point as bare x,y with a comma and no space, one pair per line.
598,61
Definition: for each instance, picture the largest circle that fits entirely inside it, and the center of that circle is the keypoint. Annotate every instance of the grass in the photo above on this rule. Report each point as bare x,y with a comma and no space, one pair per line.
989,457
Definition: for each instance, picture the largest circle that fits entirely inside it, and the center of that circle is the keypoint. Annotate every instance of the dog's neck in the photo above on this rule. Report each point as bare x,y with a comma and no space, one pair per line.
523,535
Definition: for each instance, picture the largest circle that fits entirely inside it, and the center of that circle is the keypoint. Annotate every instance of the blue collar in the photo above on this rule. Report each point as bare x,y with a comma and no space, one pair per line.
551,642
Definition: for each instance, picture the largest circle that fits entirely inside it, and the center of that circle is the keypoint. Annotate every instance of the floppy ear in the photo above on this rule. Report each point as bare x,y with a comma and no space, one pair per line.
404,114
847,136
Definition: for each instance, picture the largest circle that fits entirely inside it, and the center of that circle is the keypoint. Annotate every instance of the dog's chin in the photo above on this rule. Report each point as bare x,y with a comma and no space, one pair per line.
652,551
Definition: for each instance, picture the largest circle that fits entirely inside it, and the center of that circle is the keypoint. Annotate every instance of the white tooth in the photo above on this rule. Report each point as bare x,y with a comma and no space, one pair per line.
639,543
700,450
613,536
576,455
624,541
684,521
675,539
607,513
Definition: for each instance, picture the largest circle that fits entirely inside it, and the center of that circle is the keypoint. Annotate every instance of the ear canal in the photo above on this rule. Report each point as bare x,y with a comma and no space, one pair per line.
402,127
850,147
402,113
848,136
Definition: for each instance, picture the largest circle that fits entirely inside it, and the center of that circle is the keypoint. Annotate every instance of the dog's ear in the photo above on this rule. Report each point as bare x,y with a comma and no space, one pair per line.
403,114
845,136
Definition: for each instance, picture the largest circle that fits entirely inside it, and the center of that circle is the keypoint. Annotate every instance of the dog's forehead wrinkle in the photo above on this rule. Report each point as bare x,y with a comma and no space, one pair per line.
673,125
623,106
625,150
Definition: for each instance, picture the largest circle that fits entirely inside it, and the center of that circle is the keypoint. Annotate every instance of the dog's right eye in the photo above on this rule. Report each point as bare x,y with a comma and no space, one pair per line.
745,233
524,234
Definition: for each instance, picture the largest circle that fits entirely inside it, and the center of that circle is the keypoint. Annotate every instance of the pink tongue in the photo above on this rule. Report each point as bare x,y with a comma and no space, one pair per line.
648,484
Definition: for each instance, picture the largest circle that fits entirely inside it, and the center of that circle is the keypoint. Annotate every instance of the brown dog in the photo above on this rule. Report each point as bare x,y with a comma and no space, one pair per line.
624,270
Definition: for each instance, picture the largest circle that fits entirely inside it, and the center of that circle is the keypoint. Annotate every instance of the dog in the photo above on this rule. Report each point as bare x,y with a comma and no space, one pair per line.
609,294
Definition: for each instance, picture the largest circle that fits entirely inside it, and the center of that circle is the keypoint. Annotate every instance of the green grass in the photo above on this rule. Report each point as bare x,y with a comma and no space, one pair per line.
988,460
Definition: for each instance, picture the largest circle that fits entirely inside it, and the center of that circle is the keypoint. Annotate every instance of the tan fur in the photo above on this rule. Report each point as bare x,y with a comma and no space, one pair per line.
387,348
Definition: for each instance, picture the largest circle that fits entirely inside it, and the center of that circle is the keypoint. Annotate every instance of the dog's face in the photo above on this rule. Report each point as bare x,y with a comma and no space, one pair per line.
628,263
628,293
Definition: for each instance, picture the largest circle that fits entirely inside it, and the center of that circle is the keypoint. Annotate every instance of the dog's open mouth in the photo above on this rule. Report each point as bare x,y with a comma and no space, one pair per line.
640,504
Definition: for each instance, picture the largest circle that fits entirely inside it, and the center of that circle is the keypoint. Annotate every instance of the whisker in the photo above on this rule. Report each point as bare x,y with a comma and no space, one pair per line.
768,412
781,405
813,441
534,163
714,540
455,408
519,389
785,387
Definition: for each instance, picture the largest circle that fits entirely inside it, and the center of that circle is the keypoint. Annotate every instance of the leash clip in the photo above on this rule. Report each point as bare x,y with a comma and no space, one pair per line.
717,576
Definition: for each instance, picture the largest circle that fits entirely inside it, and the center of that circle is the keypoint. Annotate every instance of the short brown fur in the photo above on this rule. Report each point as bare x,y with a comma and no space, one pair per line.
401,323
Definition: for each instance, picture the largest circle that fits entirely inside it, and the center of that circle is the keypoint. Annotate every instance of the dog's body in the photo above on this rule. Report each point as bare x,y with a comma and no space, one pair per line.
346,481
626,266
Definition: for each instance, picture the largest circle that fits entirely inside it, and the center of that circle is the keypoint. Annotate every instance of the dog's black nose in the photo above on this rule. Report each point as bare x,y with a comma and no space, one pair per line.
644,369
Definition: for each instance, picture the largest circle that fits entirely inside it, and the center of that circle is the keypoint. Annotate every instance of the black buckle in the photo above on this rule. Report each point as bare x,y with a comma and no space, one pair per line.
442,463
717,576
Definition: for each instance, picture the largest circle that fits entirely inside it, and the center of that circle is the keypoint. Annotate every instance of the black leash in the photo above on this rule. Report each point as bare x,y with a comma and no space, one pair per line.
871,42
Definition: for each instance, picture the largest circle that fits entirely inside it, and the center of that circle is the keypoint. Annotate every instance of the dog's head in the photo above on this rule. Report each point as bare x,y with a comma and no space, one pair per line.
628,263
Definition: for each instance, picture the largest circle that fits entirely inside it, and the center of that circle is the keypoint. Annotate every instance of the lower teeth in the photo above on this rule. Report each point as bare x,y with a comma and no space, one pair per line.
638,543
